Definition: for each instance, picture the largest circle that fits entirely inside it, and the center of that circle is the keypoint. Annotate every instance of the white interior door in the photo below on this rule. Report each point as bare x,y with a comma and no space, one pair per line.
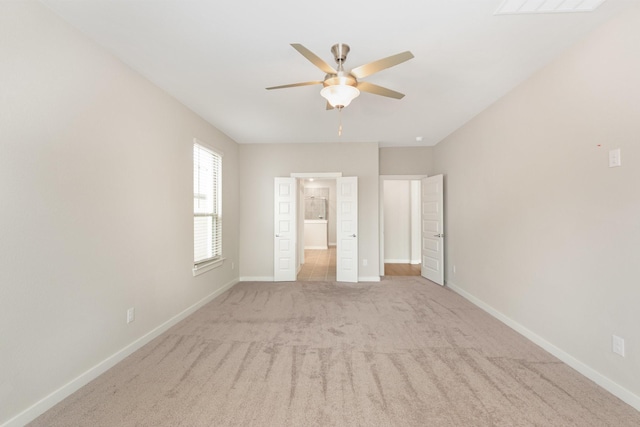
347,229
284,242
432,229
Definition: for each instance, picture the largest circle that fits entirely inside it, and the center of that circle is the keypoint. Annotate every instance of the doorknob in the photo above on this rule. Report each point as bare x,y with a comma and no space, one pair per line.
353,235
438,235
277,235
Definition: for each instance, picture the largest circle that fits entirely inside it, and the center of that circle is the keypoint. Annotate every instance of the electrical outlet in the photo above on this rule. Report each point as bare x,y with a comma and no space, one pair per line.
233,265
454,269
131,315
617,345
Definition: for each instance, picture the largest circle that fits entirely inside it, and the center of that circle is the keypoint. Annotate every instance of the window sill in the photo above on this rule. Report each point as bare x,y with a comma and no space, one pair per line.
203,268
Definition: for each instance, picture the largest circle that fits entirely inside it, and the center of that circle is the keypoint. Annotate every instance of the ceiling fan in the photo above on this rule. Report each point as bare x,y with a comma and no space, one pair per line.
340,87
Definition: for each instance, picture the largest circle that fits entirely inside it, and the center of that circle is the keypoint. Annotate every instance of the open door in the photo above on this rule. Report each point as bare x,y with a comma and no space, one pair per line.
347,229
432,229
285,227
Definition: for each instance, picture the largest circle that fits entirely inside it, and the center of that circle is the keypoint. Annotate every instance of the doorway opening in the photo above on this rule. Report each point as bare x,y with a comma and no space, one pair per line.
289,226
400,222
318,237
429,214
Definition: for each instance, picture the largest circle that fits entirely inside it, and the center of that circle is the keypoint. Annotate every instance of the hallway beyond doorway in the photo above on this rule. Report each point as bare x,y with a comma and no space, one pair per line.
319,265
402,269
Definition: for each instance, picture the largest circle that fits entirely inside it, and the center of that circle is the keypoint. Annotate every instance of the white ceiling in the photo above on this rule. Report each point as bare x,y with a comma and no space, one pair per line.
217,57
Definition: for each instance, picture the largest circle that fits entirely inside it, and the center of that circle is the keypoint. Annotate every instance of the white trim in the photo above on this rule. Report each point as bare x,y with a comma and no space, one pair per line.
200,266
402,177
318,175
46,403
528,7
208,147
402,261
595,376
315,221
204,267
323,248
257,279
270,279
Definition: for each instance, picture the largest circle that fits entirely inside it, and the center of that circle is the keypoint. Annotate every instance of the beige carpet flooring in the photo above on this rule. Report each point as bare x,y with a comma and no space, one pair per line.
403,352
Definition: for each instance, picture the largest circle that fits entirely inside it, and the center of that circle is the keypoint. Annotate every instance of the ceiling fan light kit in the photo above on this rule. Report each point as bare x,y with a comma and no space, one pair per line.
339,96
340,87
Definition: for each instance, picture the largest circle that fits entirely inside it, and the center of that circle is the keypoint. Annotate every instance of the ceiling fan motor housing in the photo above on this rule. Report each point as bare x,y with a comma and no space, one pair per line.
339,79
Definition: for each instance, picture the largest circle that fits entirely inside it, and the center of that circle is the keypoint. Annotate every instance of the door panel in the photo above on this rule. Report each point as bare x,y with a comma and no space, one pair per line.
284,243
347,229
433,229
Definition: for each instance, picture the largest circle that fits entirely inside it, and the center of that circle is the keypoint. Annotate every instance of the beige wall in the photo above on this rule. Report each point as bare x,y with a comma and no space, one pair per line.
406,161
96,183
540,229
260,163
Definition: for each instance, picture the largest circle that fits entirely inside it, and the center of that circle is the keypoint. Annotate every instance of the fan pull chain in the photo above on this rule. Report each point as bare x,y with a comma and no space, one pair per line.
339,121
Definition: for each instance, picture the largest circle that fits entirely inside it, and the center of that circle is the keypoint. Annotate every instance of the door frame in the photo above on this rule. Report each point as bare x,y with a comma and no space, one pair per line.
382,179
300,176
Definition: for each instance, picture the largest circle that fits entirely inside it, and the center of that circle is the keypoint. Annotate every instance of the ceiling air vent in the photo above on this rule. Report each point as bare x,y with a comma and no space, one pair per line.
514,7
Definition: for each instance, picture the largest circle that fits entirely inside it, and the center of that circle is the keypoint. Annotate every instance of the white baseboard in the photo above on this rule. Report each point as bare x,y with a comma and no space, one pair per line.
40,407
397,261
415,261
256,279
317,247
270,279
595,376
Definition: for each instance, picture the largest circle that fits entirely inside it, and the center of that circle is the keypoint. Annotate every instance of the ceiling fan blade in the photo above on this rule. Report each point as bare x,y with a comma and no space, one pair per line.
315,59
316,82
379,90
381,64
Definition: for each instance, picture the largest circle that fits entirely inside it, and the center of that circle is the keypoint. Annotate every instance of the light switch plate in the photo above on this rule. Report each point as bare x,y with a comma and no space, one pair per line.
617,345
131,315
614,158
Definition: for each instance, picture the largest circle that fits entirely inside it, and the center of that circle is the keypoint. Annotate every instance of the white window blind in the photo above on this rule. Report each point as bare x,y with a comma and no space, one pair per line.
207,213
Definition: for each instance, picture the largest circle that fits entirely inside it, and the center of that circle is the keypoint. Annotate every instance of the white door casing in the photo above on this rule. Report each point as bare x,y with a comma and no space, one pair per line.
285,227
432,220
347,229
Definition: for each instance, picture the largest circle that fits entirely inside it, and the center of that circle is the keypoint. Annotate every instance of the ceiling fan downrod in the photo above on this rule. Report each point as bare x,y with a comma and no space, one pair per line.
340,51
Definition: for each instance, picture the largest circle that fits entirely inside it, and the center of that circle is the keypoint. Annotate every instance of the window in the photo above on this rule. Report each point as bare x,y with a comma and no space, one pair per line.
207,213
